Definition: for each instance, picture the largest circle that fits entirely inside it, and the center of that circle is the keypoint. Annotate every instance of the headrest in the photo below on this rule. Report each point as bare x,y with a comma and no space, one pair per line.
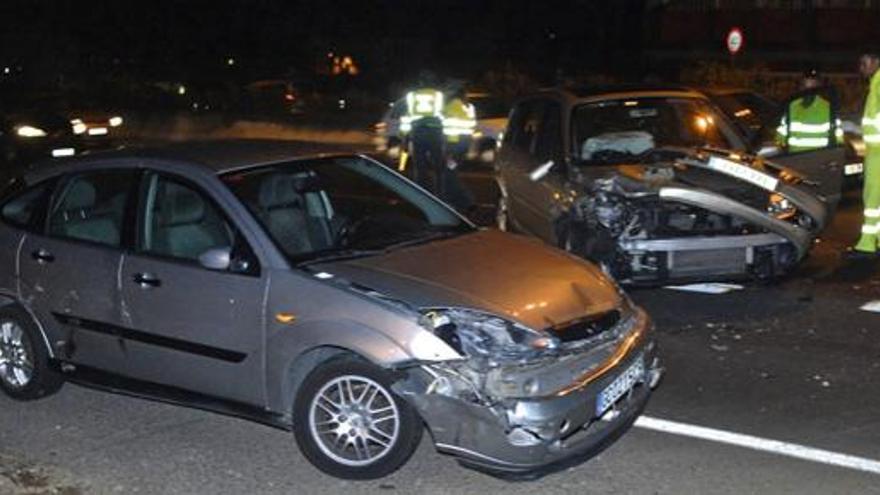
80,195
279,190
181,206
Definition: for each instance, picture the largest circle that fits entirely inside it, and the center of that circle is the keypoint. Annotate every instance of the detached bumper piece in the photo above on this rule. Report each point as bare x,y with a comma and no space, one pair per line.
530,438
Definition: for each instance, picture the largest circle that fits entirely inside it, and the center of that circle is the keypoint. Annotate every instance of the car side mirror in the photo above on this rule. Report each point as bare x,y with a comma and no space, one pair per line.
218,258
541,171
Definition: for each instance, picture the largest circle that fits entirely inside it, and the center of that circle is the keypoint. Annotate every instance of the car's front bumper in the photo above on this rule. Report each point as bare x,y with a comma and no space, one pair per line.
706,258
528,438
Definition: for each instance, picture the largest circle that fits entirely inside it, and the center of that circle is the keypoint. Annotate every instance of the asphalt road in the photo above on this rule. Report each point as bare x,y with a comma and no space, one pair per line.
795,362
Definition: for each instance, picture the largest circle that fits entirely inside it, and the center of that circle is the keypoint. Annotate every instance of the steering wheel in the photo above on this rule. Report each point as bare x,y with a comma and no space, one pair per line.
349,231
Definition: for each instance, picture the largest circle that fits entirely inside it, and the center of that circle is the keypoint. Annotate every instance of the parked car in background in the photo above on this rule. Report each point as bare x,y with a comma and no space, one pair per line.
32,131
96,124
650,183
758,116
491,113
323,294
752,112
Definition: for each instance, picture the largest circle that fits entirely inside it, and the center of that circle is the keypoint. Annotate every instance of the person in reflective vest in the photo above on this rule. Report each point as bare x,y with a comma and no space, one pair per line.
459,119
807,123
423,123
867,244
459,124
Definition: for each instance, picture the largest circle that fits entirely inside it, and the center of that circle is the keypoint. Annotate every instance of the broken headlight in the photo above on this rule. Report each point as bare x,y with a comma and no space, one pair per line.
780,207
477,334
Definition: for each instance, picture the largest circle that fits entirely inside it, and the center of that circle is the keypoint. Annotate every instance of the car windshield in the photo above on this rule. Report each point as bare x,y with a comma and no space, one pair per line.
616,130
749,110
341,207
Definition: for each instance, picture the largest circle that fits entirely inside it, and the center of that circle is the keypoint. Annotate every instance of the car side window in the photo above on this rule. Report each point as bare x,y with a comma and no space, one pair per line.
91,207
181,222
524,126
549,140
24,209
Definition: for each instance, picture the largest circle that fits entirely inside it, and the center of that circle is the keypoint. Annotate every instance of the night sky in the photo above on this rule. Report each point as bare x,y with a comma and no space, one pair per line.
389,39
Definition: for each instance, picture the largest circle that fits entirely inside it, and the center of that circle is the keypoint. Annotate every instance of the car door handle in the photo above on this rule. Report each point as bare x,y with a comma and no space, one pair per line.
42,256
146,280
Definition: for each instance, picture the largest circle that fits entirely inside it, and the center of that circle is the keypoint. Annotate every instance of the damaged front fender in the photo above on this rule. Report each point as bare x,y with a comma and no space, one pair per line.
489,421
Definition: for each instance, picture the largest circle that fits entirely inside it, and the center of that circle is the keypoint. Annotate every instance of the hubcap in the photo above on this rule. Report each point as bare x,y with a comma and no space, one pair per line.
16,361
354,420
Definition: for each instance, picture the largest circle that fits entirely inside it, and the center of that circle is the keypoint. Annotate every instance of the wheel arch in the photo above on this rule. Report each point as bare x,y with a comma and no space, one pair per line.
7,300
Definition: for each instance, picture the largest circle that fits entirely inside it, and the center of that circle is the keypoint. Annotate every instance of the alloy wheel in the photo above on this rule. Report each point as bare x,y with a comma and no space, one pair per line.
354,420
16,355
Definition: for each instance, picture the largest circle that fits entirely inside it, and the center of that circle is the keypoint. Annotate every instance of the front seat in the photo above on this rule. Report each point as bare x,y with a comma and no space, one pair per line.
282,210
186,227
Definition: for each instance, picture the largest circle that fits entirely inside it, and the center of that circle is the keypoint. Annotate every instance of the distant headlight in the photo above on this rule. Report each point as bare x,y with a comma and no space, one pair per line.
115,121
29,131
79,126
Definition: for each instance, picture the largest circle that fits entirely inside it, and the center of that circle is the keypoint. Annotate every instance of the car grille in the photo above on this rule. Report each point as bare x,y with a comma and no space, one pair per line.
707,262
587,327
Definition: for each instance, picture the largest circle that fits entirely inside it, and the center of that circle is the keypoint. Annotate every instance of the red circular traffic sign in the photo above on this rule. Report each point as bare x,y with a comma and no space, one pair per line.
735,40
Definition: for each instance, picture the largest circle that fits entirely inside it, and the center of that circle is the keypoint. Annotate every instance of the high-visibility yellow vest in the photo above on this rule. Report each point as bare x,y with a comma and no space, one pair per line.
459,119
423,103
809,127
871,117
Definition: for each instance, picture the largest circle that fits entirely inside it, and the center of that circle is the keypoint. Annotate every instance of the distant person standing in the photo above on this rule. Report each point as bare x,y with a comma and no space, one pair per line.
869,63
427,146
459,124
807,123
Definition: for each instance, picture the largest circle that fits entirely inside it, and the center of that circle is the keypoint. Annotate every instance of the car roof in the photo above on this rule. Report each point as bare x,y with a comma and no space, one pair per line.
581,94
725,91
214,157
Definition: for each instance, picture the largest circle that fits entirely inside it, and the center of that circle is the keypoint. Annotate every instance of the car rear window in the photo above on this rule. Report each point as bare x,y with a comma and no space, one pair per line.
24,207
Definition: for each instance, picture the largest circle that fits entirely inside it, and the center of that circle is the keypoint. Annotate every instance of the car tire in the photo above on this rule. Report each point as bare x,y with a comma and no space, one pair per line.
349,424
25,370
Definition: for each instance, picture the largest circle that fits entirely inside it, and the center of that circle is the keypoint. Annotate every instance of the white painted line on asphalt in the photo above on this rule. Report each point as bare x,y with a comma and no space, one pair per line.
763,444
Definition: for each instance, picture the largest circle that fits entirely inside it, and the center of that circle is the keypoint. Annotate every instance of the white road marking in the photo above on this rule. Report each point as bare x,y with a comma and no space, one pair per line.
763,444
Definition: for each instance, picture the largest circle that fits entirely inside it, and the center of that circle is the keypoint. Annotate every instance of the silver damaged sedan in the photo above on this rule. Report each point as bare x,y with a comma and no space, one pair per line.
323,294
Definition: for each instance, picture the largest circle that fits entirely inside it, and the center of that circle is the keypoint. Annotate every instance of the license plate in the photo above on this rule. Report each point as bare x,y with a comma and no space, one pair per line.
97,131
853,168
743,172
59,152
620,386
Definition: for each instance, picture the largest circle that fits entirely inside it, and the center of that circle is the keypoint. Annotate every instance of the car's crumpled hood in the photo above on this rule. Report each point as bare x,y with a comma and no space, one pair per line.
689,168
488,270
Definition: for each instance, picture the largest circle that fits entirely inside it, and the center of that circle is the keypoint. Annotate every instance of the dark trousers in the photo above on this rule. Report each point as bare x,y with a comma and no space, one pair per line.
428,158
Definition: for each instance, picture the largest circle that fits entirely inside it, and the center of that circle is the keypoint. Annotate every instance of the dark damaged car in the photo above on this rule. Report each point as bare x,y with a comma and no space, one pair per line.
327,295
643,183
